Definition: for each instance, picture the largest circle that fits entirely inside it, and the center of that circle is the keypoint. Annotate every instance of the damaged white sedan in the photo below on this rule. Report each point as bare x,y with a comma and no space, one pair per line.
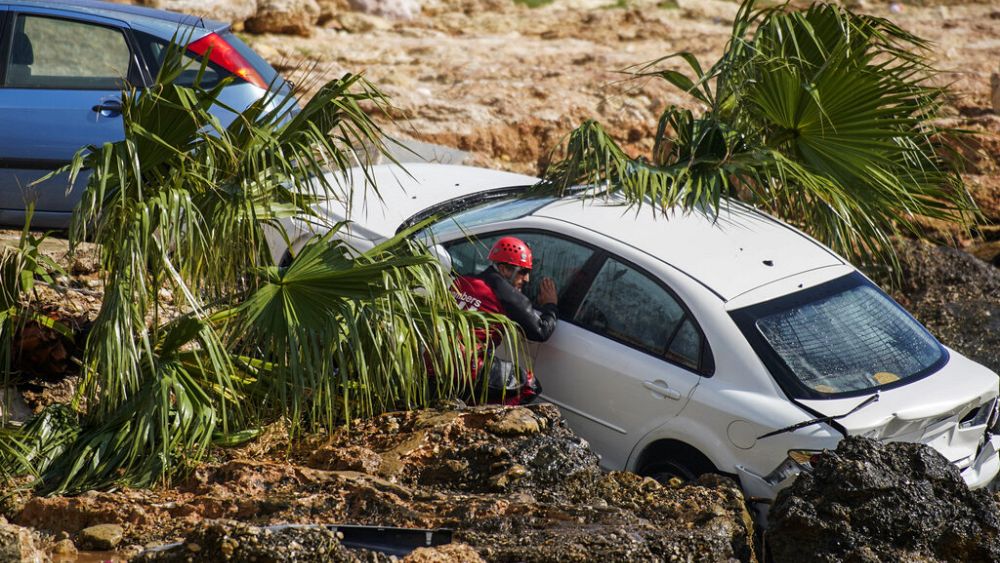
692,343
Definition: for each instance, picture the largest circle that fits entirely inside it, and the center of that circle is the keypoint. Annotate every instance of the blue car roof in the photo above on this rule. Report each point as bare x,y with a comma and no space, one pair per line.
151,17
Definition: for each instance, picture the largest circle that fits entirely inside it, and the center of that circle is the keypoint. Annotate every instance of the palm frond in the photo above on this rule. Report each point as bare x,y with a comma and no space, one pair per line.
340,335
822,117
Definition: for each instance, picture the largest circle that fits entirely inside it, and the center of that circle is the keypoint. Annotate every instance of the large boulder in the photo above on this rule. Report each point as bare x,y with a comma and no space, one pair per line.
295,17
869,501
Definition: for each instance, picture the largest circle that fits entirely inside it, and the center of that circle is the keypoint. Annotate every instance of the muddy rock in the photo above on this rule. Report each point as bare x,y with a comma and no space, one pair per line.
869,501
516,422
296,17
473,450
19,544
101,537
64,549
351,458
448,553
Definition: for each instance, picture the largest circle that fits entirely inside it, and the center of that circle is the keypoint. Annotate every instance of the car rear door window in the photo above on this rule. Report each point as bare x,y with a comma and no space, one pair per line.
55,53
628,306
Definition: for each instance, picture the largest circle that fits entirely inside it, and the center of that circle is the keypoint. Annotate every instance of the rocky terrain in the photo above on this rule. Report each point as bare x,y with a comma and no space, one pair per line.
513,483
503,83
869,501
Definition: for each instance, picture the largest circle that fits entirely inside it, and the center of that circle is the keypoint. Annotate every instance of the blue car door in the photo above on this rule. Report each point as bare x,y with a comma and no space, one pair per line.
60,90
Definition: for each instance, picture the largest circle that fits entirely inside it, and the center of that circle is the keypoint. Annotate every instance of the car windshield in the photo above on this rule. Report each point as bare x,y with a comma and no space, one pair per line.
843,337
492,211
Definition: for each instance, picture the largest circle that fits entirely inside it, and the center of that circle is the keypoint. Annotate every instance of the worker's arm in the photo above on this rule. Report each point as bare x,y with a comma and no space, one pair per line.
538,324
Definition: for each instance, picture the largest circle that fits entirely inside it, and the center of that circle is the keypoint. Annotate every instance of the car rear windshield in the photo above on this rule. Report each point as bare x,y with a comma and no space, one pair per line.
841,338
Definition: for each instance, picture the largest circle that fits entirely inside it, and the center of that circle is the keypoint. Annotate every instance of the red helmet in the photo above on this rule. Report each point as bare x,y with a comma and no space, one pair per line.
511,250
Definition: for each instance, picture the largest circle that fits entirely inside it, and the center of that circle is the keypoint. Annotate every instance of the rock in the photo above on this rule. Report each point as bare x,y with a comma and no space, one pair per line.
869,501
101,537
363,23
351,458
64,548
514,422
232,11
18,544
448,553
13,408
330,9
393,9
296,17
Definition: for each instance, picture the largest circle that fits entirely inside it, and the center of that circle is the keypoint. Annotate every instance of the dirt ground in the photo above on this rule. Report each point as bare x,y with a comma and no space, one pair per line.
507,82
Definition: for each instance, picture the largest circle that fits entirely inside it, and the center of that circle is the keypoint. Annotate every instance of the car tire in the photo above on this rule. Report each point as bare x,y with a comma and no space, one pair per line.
670,472
675,464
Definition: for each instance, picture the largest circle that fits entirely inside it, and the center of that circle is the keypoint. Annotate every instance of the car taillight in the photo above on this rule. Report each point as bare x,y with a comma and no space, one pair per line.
224,55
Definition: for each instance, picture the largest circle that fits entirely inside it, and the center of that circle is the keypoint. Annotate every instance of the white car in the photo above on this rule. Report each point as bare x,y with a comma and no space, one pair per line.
689,343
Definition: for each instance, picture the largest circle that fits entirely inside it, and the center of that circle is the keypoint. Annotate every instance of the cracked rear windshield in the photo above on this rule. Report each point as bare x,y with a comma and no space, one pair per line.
842,337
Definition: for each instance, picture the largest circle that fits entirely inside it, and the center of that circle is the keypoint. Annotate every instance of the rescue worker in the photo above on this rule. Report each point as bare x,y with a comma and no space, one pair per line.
498,289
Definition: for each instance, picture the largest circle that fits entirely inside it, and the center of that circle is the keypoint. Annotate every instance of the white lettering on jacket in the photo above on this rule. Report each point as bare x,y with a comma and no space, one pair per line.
466,301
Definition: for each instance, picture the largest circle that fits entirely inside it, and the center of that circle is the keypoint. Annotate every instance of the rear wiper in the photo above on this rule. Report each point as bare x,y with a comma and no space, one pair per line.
822,419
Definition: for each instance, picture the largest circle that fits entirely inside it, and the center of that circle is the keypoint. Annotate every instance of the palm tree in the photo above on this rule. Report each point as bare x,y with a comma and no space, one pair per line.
822,117
185,204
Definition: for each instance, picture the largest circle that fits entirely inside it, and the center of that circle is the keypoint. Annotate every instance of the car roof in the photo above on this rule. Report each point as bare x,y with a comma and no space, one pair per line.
141,15
731,253
405,191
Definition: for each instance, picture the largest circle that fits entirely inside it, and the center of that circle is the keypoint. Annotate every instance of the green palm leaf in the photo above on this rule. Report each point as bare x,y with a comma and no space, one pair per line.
823,117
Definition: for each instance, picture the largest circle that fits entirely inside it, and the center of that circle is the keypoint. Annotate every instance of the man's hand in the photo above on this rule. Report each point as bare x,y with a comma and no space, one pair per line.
547,292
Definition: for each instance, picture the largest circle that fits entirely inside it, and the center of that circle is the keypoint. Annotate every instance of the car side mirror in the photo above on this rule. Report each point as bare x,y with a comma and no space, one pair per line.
439,252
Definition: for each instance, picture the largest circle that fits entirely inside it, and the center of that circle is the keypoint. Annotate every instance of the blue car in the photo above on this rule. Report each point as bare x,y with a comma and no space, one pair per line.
62,67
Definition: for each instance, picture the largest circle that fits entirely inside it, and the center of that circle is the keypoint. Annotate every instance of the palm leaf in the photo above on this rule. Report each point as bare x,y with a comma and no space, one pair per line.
823,117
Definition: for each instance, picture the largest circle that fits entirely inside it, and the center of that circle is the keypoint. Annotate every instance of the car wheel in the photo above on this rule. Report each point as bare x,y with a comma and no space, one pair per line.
670,472
674,463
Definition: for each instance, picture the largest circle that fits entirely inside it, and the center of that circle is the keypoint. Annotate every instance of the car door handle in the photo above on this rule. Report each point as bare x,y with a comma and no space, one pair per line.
662,389
108,108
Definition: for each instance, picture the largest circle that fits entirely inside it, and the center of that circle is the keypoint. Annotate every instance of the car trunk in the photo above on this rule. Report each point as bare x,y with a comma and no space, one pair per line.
930,410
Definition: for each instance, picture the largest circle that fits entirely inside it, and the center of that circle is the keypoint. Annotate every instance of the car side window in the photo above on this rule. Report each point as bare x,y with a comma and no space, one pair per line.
556,257
626,305
156,51
53,53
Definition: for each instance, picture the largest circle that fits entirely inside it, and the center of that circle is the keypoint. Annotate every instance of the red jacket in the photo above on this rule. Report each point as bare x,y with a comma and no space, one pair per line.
489,292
